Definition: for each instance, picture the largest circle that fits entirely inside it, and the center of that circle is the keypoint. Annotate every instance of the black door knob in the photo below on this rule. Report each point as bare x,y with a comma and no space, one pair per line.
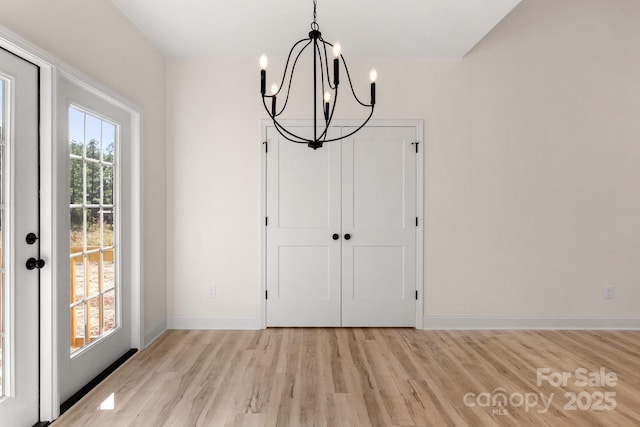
33,263
347,236
336,236
31,238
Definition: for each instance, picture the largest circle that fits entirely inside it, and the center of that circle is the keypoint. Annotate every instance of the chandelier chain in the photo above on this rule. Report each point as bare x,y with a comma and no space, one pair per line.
315,14
314,24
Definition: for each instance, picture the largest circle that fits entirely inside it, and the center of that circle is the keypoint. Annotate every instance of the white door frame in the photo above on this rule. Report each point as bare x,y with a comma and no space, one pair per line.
52,191
419,126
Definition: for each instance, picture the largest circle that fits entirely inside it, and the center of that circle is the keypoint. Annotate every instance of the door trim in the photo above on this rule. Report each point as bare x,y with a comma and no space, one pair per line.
51,191
419,126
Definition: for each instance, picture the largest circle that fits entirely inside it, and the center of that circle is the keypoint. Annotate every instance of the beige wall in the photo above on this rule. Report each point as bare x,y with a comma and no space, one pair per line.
96,39
213,183
532,183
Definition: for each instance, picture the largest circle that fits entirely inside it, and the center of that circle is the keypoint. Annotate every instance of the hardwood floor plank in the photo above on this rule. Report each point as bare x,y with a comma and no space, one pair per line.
367,377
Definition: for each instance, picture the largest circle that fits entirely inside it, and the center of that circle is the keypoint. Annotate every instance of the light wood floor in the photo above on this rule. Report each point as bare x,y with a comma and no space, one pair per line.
366,377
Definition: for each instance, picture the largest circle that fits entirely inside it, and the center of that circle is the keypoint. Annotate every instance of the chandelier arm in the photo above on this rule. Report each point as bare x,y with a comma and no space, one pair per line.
293,67
282,131
333,107
351,84
326,63
328,121
348,135
286,66
264,102
317,48
324,67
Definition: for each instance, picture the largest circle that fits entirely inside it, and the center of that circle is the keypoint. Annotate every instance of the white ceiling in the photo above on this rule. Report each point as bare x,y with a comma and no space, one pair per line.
365,28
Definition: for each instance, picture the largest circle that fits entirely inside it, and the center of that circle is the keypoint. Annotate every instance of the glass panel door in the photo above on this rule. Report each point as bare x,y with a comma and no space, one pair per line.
19,263
94,305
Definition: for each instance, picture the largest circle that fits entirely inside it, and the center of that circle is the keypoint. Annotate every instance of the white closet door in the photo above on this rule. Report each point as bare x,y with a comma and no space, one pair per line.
379,214
303,211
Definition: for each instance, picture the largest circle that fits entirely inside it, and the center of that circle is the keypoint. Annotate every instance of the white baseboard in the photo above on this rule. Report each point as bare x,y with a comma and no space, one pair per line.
533,322
230,322
154,333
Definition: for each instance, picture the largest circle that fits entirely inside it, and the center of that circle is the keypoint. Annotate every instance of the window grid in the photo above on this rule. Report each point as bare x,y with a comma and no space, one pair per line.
98,289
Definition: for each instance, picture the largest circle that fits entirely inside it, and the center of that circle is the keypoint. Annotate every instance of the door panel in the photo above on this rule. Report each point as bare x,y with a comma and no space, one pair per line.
312,263
94,304
303,211
375,181
379,210
18,217
378,272
304,180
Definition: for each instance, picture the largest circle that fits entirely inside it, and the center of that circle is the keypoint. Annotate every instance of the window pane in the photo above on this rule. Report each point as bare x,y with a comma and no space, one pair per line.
76,131
75,182
92,192
93,228
107,185
107,227
2,357
108,270
77,230
109,312
93,137
1,158
93,268
94,314
76,271
1,256
93,183
108,142
77,327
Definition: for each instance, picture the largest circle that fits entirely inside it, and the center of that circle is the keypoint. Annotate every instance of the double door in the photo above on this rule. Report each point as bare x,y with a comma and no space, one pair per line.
341,229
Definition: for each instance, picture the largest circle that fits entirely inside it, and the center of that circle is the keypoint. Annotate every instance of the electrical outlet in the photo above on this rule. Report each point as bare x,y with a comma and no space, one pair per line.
212,291
608,292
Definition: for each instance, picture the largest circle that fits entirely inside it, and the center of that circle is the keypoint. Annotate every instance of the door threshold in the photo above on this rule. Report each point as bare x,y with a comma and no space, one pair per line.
94,382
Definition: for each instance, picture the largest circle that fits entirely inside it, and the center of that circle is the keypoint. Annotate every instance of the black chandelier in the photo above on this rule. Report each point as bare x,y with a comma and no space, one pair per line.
322,85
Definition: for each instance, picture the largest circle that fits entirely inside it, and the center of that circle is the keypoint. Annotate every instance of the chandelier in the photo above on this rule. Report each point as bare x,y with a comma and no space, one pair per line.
325,88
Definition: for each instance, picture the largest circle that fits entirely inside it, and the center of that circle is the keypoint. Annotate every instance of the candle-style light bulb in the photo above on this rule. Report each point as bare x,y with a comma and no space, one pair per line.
263,74
274,90
337,50
327,98
373,76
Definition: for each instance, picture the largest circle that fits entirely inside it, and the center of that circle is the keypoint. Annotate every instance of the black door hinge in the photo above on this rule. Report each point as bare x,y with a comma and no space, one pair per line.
416,221
266,146
416,295
266,294
416,144
266,221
